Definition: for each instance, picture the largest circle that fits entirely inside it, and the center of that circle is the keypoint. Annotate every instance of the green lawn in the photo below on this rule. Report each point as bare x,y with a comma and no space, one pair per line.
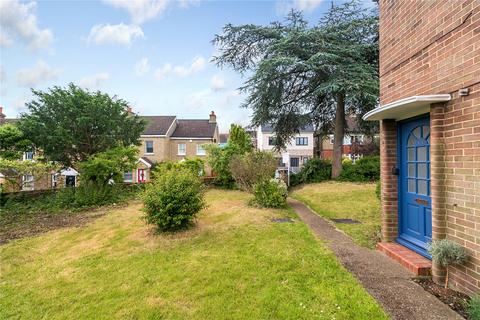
346,200
235,264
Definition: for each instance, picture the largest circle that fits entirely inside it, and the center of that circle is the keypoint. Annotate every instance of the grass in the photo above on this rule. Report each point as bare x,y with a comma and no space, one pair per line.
346,200
235,264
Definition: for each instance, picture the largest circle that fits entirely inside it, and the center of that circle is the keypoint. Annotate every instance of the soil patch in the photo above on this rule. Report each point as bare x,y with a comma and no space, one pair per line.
455,300
20,226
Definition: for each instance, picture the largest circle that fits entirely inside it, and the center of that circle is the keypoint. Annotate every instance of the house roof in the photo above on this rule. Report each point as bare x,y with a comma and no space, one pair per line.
194,129
269,128
157,125
223,137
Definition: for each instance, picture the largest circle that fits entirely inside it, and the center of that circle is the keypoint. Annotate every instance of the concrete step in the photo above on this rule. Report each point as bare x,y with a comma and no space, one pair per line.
415,263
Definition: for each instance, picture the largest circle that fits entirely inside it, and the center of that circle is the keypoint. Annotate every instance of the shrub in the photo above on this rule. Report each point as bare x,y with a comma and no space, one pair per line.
366,169
270,193
446,253
219,157
195,165
315,170
173,199
473,308
252,168
107,166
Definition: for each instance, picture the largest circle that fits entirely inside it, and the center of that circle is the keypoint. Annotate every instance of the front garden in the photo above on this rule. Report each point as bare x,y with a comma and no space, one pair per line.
235,263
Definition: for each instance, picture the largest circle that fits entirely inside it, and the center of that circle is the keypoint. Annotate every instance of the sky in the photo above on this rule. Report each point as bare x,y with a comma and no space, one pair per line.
156,54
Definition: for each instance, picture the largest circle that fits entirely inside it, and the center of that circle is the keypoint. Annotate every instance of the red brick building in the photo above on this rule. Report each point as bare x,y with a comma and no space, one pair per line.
429,117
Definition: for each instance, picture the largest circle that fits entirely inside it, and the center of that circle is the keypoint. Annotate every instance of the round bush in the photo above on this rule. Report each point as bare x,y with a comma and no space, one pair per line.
173,199
270,193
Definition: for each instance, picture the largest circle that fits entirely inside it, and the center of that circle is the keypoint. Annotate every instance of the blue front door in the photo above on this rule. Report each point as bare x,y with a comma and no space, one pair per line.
415,205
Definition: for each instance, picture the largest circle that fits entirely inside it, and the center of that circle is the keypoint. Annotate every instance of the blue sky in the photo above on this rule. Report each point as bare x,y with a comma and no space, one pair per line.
153,53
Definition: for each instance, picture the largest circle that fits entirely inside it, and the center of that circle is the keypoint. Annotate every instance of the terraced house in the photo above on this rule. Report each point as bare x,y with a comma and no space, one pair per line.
429,117
167,138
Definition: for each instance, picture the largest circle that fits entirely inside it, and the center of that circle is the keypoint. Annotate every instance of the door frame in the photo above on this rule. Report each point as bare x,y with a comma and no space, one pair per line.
410,245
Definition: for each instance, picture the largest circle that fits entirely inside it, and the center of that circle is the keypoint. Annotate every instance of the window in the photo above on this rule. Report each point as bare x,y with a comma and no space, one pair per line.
357,139
27,182
272,141
294,162
28,155
148,146
305,160
182,149
301,141
200,150
128,176
54,180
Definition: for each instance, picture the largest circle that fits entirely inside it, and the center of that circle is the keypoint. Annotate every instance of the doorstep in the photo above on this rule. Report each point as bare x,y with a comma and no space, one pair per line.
415,263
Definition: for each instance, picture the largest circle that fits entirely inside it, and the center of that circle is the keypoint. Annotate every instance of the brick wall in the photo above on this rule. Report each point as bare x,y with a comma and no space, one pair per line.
388,154
433,47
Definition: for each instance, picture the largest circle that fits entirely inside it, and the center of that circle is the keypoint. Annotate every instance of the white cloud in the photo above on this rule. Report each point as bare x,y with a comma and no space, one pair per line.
94,81
40,73
19,103
284,6
18,20
307,5
217,82
140,10
197,65
142,67
188,3
160,73
121,33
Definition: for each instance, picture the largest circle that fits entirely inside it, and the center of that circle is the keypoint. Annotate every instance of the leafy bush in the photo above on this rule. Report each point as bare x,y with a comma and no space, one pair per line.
195,165
270,193
86,195
219,158
473,308
110,165
365,169
173,199
446,253
315,170
252,168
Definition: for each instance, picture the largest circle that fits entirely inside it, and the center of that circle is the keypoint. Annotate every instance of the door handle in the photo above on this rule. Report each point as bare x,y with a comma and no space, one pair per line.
422,202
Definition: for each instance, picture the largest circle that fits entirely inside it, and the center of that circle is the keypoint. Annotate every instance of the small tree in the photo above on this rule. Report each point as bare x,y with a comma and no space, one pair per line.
447,253
103,167
173,199
219,158
13,142
71,124
252,168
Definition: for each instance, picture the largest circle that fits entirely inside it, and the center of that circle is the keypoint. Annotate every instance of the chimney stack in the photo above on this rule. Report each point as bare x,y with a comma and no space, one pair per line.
2,116
213,118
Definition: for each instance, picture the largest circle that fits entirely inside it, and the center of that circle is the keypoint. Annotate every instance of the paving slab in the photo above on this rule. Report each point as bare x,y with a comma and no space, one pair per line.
386,280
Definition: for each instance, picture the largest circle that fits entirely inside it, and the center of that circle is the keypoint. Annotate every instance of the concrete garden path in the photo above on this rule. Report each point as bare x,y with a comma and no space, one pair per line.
388,282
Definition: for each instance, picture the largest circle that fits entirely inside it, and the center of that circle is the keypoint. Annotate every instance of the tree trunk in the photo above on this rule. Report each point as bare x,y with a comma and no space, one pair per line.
338,136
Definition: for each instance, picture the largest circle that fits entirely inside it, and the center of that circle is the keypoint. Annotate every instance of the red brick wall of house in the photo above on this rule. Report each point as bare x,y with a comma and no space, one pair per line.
328,153
433,47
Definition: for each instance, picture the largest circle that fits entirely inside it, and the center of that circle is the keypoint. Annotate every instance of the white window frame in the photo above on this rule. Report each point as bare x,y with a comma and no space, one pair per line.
131,176
305,160
201,150
28,182
25,157
184,149
146,147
